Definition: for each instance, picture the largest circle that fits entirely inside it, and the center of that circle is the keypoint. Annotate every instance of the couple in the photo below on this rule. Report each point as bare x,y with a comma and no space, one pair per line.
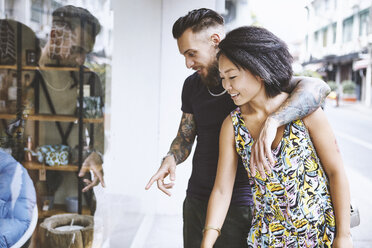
292,202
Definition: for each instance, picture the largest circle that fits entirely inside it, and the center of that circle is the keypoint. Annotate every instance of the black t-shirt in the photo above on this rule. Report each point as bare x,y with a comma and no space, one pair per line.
209,113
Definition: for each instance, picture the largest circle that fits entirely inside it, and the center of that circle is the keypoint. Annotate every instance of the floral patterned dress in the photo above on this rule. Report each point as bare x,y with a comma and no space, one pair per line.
292,207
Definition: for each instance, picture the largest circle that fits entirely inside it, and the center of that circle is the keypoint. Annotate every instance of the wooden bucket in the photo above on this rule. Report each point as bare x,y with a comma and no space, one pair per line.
50,235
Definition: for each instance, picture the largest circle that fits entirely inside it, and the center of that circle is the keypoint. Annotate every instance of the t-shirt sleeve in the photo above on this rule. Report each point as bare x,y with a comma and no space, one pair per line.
186,96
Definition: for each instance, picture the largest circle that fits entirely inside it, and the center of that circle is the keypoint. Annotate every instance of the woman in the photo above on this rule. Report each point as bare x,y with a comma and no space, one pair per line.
304,200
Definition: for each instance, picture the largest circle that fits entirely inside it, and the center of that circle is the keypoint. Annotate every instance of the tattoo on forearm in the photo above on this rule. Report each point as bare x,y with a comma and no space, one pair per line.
301,103
182,144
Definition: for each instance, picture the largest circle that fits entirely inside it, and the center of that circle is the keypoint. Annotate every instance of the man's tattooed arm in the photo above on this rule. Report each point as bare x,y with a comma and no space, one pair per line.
182,144
306,95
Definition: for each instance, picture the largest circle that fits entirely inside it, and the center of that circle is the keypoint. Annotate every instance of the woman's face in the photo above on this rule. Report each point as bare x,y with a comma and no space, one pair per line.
241,84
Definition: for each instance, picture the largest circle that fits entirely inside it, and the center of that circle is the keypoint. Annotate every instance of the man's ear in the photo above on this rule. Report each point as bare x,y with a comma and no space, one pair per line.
215,38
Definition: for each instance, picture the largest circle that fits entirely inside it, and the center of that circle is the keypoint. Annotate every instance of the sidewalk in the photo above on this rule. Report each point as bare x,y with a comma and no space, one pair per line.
358,179
354,106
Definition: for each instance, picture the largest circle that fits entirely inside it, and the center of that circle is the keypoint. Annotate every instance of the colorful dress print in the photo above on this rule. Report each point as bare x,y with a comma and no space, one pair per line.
292,207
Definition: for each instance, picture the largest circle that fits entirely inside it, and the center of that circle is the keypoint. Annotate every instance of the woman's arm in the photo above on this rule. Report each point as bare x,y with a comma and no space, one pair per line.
220,198
326,147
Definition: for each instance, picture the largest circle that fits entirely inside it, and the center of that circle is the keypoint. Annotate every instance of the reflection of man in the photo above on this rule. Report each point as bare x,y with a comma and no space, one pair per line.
204,107
72,36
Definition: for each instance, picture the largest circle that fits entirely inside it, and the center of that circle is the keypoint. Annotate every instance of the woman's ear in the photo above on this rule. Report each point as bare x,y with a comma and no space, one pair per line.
258,78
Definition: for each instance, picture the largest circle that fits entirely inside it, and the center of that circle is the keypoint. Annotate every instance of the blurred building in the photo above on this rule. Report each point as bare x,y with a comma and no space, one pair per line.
236,13
338,43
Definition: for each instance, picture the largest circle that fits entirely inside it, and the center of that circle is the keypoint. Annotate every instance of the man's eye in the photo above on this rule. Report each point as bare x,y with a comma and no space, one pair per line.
231,78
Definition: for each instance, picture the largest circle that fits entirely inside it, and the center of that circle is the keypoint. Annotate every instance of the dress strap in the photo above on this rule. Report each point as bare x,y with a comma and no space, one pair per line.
243,139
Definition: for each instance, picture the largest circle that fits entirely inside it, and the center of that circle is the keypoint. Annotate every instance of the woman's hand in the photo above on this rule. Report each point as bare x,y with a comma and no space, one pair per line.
261,155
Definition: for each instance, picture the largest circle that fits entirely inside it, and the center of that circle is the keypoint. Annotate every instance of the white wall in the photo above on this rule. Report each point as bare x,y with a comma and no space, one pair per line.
173,74
133,143
147,77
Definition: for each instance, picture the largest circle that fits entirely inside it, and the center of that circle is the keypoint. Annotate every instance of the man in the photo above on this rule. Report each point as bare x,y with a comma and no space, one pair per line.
72,37
204,107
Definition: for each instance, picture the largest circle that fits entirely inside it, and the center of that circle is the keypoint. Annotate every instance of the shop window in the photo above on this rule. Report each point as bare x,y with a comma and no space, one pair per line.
54,69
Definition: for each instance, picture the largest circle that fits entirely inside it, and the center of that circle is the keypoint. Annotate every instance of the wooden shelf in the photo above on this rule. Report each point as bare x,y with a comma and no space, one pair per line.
13,67
47,117
52,68
7,116
44,68
60,209
38,166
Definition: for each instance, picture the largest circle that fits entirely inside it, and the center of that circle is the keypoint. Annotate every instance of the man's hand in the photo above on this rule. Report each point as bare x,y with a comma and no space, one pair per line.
92,162
168,167
261,155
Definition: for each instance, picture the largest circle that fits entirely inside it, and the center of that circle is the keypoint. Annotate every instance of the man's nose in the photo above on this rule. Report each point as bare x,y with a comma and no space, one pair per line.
189,63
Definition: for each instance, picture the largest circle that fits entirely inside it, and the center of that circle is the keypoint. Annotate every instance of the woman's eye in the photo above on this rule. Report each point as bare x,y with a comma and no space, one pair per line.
231,78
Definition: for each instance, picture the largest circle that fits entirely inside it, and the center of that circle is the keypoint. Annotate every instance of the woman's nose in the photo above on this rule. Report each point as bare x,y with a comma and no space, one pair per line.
226,85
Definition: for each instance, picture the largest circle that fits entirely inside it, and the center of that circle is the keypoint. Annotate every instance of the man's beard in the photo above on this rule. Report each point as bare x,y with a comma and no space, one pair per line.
213,75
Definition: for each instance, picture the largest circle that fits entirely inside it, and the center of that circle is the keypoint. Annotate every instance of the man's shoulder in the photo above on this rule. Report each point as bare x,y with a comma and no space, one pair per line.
193,78
192,82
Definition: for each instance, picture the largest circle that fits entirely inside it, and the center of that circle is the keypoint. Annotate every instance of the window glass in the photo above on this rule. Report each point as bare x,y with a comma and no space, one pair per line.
334,32
36,10
348,29
316,38
325,36
55,63
363,22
